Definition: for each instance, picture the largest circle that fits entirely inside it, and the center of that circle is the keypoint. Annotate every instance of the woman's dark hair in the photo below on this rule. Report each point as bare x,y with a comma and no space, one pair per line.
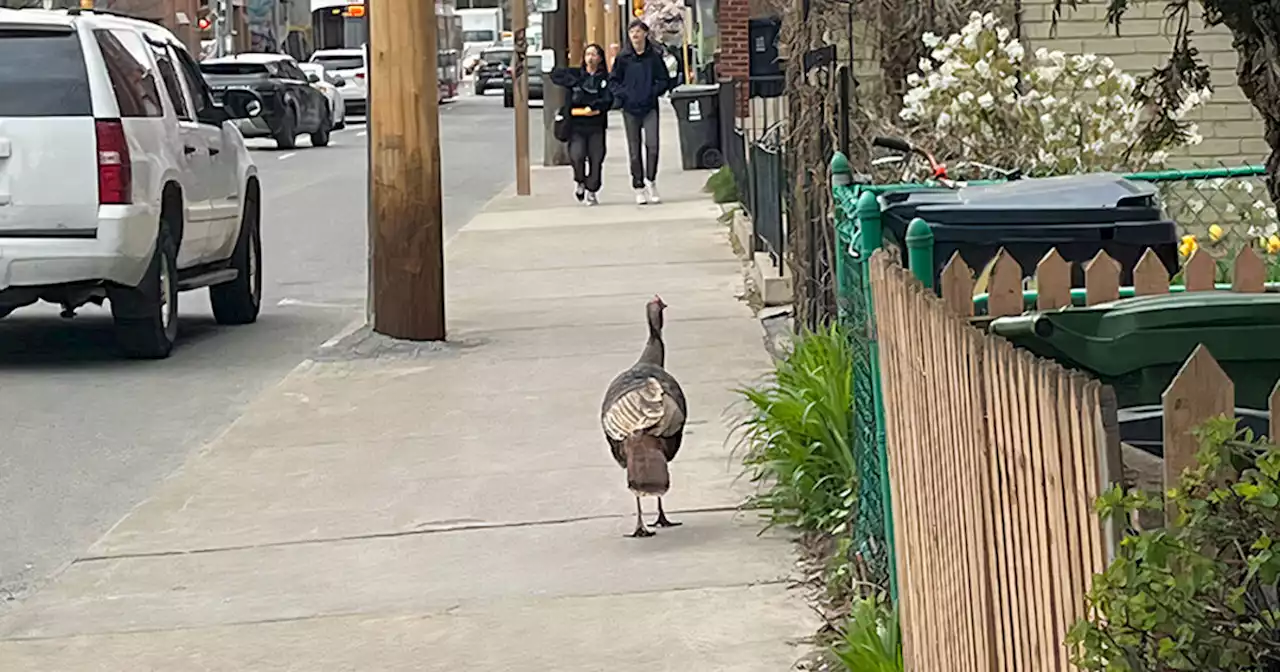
638,23
604,60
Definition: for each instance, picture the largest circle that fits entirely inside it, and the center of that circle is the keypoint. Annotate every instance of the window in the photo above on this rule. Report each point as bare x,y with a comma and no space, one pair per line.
134,85
201,96
503,56
172,84
290,70
339,62
479,36
42,74
235,69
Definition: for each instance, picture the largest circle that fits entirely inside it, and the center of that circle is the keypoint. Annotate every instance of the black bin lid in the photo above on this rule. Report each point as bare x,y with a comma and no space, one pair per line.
694,91
1096,198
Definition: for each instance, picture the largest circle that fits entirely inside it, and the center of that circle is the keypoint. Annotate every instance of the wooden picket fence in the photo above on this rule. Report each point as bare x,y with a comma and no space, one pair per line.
996,458
1101,278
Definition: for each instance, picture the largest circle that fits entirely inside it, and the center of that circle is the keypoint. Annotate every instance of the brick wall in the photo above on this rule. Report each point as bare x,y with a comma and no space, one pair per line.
1231,128
734,57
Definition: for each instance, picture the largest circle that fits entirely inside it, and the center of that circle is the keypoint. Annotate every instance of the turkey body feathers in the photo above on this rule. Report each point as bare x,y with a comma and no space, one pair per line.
648,400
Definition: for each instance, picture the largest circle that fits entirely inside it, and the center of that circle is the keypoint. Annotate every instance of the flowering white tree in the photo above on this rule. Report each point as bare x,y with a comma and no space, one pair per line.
666,21
980,96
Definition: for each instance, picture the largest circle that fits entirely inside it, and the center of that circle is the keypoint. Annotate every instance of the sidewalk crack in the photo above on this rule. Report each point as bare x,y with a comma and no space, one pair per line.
466,527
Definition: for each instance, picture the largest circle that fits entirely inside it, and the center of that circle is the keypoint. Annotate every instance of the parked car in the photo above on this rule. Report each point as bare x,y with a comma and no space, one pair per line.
121,180
331,86
292,106
352,66
535,82
493,65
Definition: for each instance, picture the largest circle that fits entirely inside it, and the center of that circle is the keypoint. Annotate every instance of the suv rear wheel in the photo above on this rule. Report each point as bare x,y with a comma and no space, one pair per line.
287,134
146,316
238,301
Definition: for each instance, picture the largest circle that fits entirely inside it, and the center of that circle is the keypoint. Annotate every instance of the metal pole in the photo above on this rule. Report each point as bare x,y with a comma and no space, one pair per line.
221,28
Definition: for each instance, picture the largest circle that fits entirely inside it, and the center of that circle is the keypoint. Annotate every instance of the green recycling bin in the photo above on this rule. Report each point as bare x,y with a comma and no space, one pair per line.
1138,345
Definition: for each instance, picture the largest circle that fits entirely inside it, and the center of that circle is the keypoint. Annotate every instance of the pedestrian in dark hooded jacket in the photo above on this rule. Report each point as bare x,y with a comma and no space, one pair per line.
590,100
639,79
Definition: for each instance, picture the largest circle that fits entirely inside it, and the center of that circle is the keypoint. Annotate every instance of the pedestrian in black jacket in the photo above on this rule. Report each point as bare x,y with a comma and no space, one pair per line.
639,78
589,101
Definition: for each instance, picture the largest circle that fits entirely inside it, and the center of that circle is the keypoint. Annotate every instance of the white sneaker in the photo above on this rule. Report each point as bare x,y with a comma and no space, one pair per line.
592,199
653,193
578,191
641,197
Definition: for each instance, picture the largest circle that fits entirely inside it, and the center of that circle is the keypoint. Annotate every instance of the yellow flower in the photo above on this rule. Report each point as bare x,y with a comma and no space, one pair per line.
1188,245
1215,232
1273,244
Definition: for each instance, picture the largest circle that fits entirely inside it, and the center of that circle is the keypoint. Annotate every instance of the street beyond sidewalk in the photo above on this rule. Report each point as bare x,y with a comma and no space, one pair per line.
455,507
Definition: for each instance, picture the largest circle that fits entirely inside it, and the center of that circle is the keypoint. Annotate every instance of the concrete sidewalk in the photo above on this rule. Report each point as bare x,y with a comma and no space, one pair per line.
398,507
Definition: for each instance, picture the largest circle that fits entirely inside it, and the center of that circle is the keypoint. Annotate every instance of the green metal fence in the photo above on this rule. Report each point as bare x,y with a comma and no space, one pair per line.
1196,199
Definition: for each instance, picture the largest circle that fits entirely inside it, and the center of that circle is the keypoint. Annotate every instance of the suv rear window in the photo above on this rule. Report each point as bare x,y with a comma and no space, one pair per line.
42,74
339,62
232,69
491,57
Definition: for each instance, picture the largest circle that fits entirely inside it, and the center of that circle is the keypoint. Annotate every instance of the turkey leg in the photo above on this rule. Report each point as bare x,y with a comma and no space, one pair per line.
640,532
662,518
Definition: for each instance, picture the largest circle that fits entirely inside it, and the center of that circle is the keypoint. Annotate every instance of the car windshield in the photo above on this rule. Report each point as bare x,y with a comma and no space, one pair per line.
339,62
535,65
237,69
500,57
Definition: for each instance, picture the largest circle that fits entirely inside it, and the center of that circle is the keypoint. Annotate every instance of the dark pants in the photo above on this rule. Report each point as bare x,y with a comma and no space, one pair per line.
642,167
586,153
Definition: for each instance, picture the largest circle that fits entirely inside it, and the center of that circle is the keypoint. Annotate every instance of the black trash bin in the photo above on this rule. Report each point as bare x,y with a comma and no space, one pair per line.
1077,214
698,109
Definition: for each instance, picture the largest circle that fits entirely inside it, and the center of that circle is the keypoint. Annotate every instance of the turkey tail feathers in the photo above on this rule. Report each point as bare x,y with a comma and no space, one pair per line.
646,465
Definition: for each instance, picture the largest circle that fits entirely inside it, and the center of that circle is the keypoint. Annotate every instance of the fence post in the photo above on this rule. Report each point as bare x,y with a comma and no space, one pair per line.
870,239
920,251
841,173
870,228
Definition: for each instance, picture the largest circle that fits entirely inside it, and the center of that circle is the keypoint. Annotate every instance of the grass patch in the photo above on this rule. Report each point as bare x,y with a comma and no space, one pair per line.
722,187
798,436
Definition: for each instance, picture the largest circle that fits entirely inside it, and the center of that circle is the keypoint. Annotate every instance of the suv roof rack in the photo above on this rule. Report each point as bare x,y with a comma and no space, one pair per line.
77,11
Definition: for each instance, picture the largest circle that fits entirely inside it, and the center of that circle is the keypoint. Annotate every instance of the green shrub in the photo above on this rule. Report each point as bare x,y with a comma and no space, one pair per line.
1200,595
872,640
722,187
798,435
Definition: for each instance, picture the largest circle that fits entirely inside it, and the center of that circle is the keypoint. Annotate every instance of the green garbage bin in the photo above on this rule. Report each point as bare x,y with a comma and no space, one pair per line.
1138,345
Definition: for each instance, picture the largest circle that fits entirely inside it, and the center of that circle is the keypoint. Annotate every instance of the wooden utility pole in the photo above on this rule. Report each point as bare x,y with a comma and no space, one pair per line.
595,22
520,94
577,30
612,28
406,236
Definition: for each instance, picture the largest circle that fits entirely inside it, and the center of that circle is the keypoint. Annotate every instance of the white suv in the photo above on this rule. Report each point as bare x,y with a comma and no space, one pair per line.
351,65
119,178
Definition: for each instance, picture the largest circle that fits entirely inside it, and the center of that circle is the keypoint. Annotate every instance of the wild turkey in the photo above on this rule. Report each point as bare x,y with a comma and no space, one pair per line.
643,419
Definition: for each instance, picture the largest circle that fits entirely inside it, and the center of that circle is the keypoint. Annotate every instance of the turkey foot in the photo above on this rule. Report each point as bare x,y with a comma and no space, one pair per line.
640,532
662,518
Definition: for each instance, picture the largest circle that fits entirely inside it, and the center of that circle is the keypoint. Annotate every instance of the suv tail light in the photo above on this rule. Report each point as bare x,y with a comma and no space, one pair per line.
115,169
359,75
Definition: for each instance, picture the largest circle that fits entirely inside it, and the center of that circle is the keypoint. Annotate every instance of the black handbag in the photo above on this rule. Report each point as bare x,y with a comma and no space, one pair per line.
560,127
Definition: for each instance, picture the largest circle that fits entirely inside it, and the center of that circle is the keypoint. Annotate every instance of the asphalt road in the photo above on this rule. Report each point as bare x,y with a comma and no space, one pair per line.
87,435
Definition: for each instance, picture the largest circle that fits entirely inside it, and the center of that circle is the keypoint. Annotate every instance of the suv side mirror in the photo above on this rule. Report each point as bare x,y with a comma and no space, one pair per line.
339,82
241,104
313,78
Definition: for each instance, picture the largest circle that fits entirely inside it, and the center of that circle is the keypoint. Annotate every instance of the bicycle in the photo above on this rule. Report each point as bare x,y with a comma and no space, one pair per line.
937,171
